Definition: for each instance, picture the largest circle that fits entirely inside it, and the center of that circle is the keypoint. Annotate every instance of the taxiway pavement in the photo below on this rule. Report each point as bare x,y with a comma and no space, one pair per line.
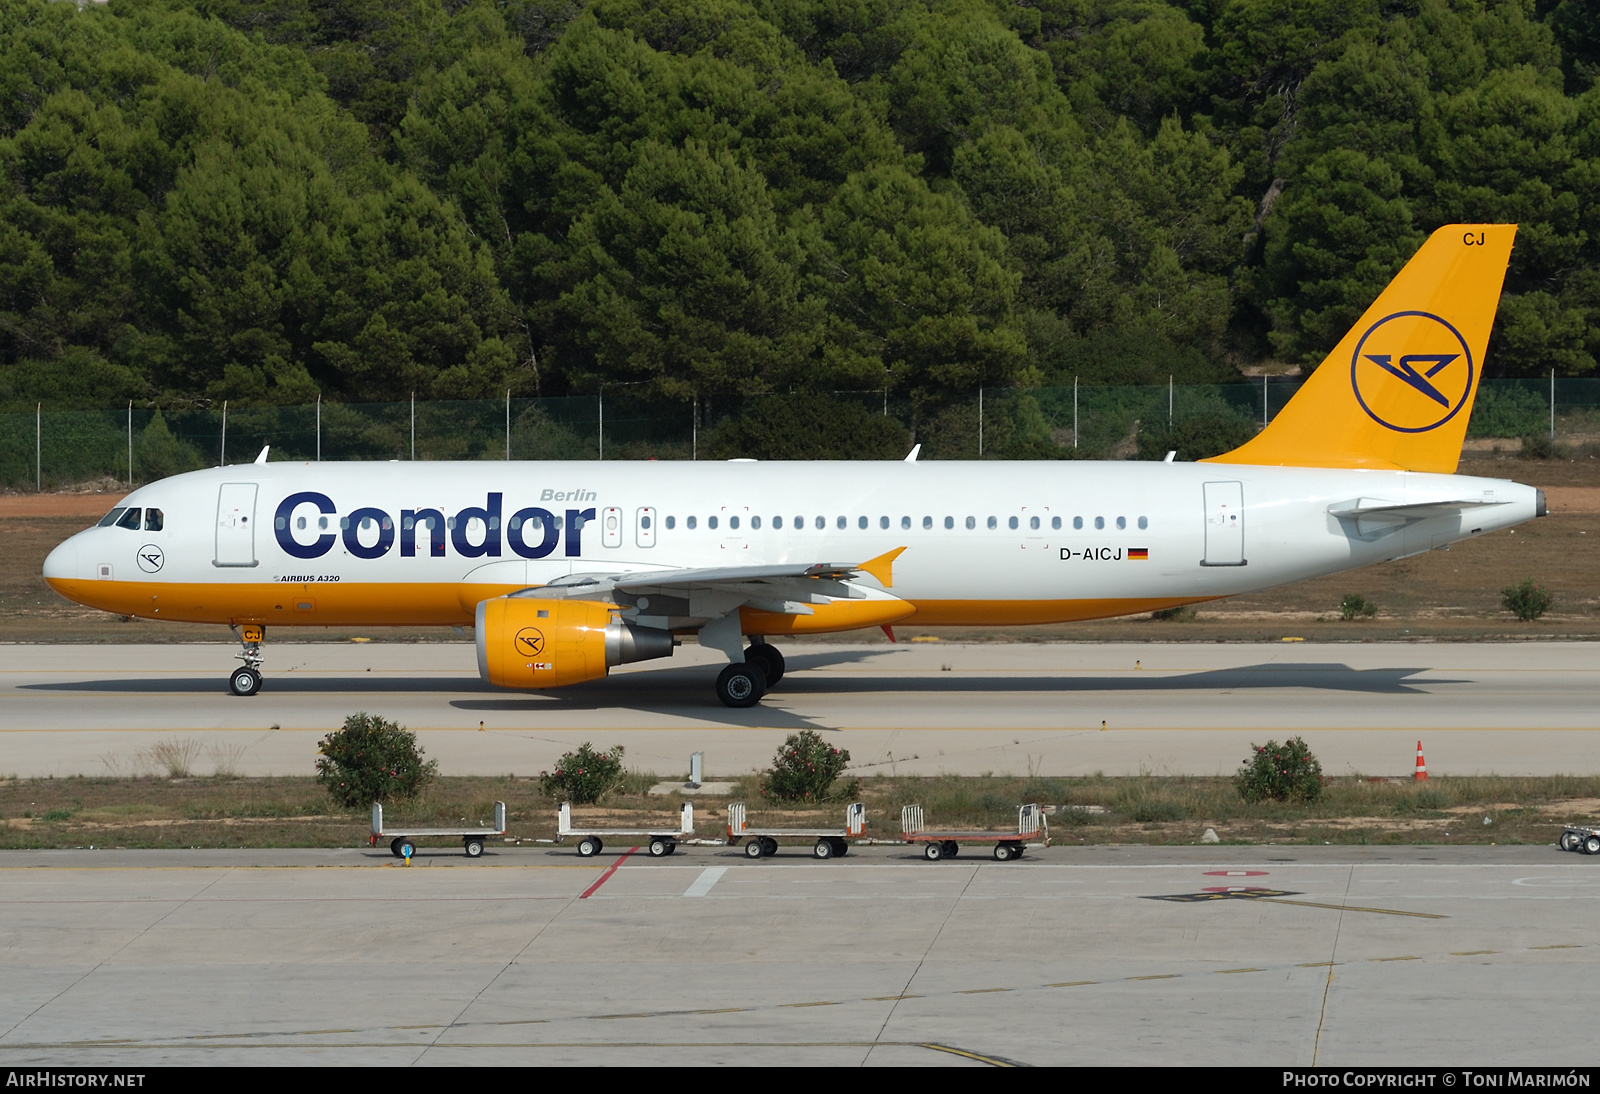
1339,956
916,708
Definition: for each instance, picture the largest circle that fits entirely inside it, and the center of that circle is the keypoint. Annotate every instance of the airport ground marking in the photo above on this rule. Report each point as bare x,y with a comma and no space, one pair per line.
992,1061
1557,946
1471,953
605,877
1229,972
708,878
1406,957
1354,908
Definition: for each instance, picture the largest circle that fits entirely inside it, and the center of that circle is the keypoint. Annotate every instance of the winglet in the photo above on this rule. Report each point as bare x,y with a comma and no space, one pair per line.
882,567
263,457
912,456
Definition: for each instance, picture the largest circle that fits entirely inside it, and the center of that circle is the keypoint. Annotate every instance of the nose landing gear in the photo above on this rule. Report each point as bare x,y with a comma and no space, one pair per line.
246,679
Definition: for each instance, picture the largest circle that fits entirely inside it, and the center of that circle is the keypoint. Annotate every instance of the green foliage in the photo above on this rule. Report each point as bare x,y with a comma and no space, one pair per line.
807,427
1526,600
1356,606
1183,613
264,200
1195,435
1507,412
158,454
805,769
1538,446
584,776
372,760
1286,772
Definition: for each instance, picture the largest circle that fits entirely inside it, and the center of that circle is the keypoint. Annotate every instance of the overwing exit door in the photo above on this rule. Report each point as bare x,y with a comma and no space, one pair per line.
1224,524
236,519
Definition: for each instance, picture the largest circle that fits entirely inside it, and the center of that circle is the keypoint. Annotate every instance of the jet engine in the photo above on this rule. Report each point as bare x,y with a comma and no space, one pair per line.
534,642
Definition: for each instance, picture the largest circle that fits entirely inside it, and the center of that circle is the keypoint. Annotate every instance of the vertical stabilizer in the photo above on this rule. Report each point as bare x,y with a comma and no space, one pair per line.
1397,391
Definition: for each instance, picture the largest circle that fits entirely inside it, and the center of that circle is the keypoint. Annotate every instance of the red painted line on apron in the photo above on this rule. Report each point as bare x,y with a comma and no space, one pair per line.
605,877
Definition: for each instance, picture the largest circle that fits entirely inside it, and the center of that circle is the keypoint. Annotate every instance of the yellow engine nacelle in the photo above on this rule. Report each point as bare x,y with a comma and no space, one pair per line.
537,642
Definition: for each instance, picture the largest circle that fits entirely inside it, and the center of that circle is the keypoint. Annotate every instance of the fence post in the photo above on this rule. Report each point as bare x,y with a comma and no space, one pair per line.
694,430
222,460
1552,406
1169,401
1263,400
130,444
319,427
980,423
508,424
1074,412
413,427
600,403
38,448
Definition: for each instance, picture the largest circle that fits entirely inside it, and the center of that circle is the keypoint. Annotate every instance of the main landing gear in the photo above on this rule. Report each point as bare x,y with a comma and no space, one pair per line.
742,684
246,679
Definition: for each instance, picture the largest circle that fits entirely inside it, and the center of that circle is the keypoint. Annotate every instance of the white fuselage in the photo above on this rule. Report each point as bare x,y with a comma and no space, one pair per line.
985,542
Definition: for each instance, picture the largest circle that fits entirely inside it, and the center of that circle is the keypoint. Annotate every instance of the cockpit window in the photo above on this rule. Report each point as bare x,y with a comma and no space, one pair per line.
130,519
153,520
111,518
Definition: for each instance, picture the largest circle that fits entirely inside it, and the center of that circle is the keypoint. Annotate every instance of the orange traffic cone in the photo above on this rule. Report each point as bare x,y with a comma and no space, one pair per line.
1422,766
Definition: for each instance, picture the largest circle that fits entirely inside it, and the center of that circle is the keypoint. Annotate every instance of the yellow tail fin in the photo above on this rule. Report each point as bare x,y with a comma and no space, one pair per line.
1397,391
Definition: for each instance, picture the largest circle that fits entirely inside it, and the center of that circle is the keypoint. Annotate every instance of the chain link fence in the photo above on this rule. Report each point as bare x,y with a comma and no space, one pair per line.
49,449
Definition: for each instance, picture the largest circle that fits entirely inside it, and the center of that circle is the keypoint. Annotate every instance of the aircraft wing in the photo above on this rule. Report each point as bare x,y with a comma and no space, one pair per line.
784,588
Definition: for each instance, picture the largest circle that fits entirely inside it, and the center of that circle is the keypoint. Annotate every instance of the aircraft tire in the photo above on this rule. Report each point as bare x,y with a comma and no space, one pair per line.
741,685
244,681
770,660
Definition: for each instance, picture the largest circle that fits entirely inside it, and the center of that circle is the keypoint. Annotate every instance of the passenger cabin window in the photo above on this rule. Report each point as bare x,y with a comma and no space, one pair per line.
927,523
691,523
993,524
843,523
905,522
949,522
130,519
1033,522
972,522
1099,522
672,522
822,522
711,522
755,522
1144,522
1012,523
111,518
1122,522
1055,522
861,522
1077,522
777,523
733,522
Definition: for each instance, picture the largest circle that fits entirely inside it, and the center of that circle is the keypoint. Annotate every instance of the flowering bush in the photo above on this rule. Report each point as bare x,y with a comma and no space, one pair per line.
582,777
805,768
1526,600
1286,772
372,760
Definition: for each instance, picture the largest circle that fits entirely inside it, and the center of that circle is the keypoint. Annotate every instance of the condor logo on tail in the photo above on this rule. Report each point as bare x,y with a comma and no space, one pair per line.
1411,371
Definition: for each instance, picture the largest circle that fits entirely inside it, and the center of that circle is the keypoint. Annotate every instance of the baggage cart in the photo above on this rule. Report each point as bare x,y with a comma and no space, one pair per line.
764,841
591,841
402,841
1578,837
1007,845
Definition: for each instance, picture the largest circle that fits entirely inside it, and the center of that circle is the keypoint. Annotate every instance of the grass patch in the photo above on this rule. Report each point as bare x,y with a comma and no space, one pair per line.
294,812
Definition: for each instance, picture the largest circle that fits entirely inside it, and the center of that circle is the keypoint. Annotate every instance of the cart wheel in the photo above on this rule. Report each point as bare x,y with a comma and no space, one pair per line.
1569,841
753,849
823,849
769,846
951,848
474,848
1017,849
1591,845
407,849
840,848
933,852
394,847
588,847
672,847
659,847
1003,852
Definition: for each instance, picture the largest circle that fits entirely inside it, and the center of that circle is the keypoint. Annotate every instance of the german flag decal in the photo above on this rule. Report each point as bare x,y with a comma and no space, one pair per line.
1139,553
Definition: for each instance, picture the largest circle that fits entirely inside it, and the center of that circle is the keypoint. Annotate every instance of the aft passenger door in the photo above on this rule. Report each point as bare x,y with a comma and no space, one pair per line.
236,534
1224,524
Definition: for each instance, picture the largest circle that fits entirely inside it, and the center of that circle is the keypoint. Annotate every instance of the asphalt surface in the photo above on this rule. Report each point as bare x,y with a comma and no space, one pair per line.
1342,956
916,708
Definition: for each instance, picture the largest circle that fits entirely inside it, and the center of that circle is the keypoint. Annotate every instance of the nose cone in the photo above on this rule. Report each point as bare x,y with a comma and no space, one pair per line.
62,564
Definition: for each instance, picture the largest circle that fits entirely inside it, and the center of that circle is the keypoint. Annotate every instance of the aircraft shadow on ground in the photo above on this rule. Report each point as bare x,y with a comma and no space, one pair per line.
685,691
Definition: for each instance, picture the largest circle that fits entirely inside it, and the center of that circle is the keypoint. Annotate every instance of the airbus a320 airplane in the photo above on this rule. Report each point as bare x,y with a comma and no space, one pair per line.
566,569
